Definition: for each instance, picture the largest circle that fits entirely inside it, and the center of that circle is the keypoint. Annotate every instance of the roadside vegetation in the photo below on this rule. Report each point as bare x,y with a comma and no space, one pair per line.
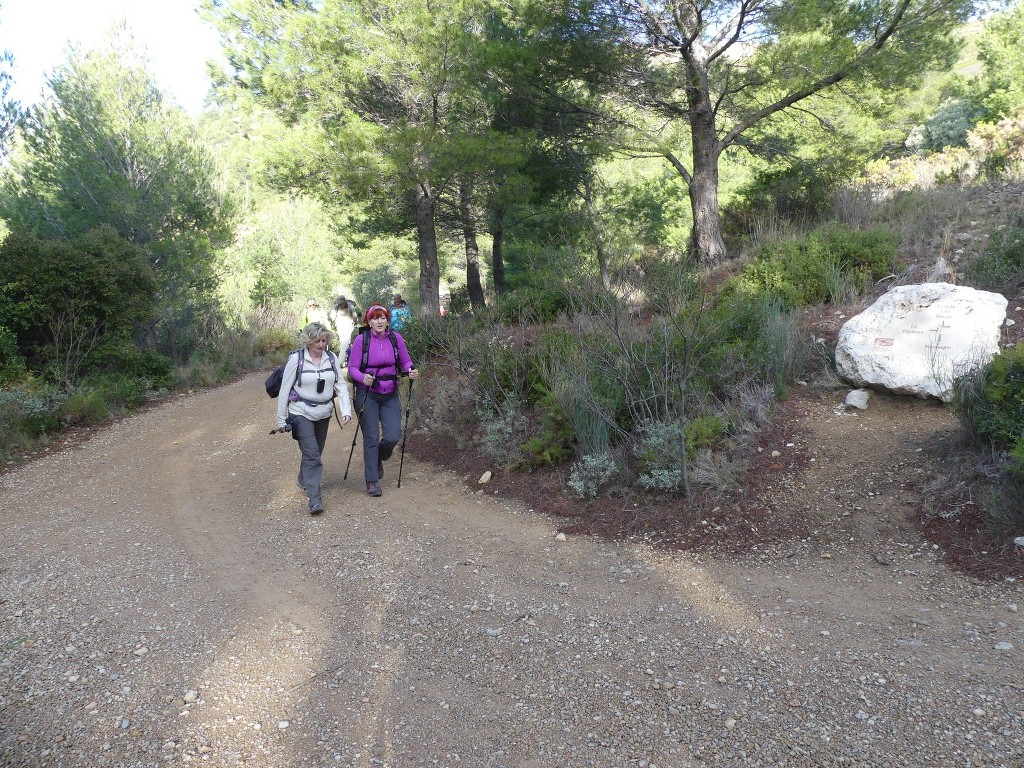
538,217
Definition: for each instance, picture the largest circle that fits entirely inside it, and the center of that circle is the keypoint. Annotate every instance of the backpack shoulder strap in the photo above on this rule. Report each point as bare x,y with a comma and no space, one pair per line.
298,367
394,343
366,350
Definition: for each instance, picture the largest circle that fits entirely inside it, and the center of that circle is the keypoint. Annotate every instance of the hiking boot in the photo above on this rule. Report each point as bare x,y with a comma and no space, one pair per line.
316,509
380,470
373,489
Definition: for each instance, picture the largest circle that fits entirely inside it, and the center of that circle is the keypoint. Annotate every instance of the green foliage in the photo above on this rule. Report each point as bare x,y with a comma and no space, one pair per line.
999,48
803,271
657,451
646,205
990,402
1001,266
121,392
554,444
503,434
71,296
593,381
704,432
947,127
1001,502
87,408
101,396
997,148
274,343
12,364
507,373
104,150
539,301
797,190
27,412
459,302
591,472
9,109
375,285
124,357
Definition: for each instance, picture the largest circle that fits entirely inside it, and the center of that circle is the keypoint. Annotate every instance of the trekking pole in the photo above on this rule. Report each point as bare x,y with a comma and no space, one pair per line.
359,419
405,433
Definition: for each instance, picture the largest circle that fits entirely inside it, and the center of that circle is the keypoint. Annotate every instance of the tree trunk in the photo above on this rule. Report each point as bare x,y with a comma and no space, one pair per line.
473,285
706,242
497,258
706,237
426,235
595,224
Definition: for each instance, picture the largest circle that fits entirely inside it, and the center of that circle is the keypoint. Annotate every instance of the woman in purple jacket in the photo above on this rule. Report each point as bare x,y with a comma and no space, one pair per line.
375,376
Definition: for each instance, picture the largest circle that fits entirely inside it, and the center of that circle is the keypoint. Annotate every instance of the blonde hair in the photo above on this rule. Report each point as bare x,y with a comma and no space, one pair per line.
312,332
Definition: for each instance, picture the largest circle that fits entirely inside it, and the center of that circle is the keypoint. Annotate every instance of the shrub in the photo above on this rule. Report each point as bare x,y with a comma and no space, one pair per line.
657,454
96,284
704,432
119,391
86,408
503,434
1001,267
591,472
459,302
375,285
121,355
947,127
554,444
274,343
813,268
29,412
795,189
505,370
533,304
990,402
12,364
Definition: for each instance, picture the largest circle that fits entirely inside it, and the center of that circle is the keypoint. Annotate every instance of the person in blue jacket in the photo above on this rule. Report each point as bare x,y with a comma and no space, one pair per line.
401,315
375,378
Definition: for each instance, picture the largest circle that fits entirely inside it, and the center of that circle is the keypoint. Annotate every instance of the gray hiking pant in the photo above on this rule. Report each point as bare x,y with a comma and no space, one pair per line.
312,437
381,421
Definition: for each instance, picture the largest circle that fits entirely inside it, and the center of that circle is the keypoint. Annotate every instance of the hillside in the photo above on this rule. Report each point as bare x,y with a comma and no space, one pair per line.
901,470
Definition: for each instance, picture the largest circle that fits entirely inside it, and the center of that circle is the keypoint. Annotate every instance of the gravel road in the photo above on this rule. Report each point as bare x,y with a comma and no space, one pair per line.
165,599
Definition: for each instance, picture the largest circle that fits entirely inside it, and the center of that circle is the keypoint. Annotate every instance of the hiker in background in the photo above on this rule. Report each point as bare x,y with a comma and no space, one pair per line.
306,406
401,315
313,314
376,391
344,319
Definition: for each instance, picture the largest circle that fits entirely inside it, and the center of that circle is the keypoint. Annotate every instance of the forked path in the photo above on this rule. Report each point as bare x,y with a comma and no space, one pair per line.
165,599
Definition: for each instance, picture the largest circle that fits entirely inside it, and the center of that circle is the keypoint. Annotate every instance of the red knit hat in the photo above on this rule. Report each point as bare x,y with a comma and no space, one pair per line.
376,309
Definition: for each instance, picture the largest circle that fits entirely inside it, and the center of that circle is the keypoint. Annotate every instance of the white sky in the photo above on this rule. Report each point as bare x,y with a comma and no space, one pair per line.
38,32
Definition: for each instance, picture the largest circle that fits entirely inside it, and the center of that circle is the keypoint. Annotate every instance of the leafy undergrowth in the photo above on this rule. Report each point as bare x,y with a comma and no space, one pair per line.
744,519
732,524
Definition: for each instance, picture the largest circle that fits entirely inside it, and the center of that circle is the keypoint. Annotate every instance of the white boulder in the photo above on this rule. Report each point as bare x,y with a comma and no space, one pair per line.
858,398
916,339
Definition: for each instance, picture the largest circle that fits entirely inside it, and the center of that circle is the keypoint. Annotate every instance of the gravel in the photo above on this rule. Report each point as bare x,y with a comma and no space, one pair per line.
165,599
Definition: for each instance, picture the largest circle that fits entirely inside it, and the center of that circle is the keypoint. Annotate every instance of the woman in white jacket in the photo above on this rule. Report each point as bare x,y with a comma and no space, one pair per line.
306,406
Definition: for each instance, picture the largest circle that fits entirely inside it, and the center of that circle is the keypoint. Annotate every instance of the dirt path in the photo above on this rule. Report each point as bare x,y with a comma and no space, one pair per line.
165,599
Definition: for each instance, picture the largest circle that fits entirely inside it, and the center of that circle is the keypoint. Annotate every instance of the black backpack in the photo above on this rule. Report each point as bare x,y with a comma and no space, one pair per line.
274,380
